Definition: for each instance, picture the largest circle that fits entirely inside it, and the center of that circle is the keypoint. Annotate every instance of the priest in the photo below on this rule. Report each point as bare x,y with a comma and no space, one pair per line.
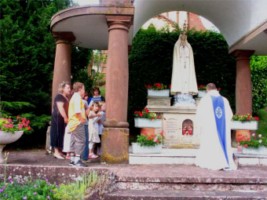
213,119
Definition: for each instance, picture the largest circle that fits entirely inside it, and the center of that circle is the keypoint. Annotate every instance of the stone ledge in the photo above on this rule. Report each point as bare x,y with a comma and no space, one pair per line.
172,109
189,194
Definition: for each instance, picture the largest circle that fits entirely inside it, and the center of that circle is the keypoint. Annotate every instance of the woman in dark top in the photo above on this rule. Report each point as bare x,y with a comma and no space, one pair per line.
59,119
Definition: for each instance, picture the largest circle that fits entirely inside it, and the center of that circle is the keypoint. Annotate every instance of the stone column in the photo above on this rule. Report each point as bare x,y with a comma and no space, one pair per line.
62,65
243,91
116,133
62,72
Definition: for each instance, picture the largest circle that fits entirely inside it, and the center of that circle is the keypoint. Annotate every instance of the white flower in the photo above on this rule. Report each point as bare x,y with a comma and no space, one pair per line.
259,135
260,141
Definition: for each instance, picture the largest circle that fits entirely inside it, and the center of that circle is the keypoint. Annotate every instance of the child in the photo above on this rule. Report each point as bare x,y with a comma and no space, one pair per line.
94,128
101,120
77,119
86,107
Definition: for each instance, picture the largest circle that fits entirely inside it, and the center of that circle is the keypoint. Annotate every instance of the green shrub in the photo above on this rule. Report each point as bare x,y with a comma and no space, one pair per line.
259,81
29,190
77,190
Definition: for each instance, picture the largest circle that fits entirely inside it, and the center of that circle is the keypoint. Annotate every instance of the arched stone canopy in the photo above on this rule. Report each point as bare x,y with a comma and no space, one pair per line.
236,19
243,23
88,24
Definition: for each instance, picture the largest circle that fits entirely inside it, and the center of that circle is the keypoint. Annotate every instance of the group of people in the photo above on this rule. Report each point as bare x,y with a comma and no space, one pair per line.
77,124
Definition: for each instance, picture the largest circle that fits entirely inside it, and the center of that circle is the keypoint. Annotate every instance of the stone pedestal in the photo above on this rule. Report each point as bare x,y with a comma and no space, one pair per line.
178,126
159,101
115,145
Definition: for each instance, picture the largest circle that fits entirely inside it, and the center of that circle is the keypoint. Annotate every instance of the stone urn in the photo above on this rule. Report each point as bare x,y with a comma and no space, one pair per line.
7,138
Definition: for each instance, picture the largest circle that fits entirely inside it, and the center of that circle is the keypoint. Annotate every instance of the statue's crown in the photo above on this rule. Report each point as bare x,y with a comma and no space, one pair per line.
185,28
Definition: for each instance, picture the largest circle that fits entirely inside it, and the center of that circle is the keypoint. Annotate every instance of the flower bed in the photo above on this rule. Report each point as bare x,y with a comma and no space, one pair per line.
202,88
26,188
145,118
148,142
157,90
244,122
11,124
255,141
156,86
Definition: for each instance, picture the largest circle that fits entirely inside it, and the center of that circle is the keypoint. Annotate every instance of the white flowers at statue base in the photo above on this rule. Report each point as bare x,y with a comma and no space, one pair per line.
184,100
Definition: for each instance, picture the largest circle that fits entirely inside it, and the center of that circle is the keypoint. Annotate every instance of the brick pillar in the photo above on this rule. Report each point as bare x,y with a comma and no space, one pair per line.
115,138
243,91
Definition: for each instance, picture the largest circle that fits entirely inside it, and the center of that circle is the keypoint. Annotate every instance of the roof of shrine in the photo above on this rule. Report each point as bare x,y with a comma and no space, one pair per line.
243,23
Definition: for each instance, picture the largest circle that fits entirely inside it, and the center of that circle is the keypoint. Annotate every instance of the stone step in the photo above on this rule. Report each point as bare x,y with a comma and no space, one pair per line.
187,157
188,194
189,183
189,177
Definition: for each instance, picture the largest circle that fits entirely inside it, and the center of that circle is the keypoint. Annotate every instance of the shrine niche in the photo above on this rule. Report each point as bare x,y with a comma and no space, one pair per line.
187,127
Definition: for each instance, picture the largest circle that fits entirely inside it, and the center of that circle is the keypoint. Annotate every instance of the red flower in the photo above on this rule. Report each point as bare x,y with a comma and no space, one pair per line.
256,118
156,86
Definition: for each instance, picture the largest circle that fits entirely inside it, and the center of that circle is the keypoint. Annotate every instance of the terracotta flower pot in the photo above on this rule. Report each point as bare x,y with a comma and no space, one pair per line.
242,135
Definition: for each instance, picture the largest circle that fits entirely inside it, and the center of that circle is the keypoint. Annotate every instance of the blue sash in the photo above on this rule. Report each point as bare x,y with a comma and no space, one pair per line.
219,114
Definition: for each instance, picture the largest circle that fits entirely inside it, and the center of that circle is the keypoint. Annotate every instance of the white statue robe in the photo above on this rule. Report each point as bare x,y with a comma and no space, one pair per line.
211,154
183,70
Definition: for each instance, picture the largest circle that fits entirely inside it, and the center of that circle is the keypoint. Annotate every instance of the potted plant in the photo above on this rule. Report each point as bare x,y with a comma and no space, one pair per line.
11,129
148,143
256,145
201,91
244,122
157,90
147,119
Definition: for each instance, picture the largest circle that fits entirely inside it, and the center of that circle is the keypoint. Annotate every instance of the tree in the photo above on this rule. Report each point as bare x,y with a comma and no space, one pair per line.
27,58
259,80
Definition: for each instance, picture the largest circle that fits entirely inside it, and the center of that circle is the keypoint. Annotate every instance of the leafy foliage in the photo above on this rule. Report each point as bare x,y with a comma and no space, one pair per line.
148,140
43,190
255,141
27,58
146,114
262,128
245,118
259,81
30,190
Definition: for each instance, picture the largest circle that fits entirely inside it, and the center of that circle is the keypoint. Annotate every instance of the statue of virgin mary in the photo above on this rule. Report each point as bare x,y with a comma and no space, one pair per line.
184,83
